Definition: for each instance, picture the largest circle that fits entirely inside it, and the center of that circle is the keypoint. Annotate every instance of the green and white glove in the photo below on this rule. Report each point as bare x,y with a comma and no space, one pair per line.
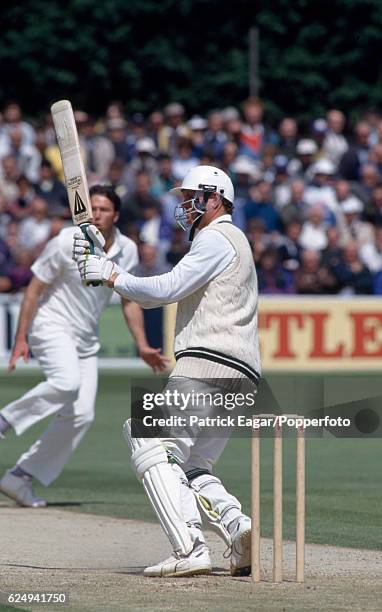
96,269
83,246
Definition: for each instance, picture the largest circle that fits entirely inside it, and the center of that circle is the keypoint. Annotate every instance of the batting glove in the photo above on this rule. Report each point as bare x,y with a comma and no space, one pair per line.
82,244
94,269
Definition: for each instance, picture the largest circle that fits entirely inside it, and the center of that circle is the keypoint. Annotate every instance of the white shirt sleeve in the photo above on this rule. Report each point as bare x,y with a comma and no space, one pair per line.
48,265
210,254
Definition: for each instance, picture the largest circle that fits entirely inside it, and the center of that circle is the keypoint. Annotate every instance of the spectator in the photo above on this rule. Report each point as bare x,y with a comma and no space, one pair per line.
260,206
234,133
319,129
296,208
178,247
165,179
230,152
117,134
50,152
335,143
52,190
373,119
8,178
244,174
155,229
156,130
306,150
12,119
255,134
114,110
97,150
272,277
197,126
357,230
174,118
258,238
5,261
144,161
5,219
369,179
331,256
184,159
280,180
20,273
57,223
352,275
377,284
28,158
267,163
312,278
12,238
116,179
313,234
289,246
20,207
370,253
215,137
137,131
320,191
375,158
139,199
357,155
149,265
288,137
5,257
35,230
342,190
373,212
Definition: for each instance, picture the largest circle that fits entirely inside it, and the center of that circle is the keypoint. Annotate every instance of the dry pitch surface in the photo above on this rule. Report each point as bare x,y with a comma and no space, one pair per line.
98,561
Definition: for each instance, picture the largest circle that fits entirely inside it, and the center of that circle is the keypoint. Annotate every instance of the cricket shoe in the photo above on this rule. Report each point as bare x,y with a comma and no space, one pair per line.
241,548
19,488
197,562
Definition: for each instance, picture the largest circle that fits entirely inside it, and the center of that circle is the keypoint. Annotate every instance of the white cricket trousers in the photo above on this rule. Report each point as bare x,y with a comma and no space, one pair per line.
69,393
197,454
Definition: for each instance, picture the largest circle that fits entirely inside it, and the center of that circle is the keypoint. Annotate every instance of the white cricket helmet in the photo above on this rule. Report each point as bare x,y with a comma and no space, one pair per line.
203,180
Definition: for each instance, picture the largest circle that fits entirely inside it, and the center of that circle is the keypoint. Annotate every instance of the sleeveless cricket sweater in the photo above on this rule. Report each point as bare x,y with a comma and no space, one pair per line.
216,334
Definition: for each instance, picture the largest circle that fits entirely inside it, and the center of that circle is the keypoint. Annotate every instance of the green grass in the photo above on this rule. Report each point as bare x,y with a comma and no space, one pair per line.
344,496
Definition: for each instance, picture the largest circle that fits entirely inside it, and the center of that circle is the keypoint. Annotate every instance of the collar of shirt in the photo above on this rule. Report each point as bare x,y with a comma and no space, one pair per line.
116,247
221,218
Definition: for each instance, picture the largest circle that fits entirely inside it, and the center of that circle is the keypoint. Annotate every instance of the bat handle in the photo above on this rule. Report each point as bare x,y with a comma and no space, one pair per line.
83,227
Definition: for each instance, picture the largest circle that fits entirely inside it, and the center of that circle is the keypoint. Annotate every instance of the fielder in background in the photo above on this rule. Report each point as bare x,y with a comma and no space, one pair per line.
59,322
216,338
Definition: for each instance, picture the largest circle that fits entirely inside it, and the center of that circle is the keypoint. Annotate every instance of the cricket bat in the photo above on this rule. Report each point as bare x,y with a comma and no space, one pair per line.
73,165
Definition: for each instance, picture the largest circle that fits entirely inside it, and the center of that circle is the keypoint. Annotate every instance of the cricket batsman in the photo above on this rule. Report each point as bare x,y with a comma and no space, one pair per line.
216,339
59,323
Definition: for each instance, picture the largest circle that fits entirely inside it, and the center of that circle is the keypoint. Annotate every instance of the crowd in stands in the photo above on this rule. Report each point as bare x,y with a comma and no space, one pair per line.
309,200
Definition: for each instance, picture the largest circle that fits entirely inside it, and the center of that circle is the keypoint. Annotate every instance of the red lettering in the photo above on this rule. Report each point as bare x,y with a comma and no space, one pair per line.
319,349
284,319
365,327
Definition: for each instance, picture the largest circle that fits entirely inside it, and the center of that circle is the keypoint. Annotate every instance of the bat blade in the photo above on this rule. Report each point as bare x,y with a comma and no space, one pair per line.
74,170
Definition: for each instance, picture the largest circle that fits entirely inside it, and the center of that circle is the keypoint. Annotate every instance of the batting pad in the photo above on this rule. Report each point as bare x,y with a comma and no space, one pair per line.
162,485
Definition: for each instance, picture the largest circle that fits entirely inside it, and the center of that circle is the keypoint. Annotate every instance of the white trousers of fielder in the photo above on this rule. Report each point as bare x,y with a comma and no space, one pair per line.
69,393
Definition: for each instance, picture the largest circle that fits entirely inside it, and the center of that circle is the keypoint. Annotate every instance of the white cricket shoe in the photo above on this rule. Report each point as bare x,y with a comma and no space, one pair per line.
19,488
197,562
241,548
